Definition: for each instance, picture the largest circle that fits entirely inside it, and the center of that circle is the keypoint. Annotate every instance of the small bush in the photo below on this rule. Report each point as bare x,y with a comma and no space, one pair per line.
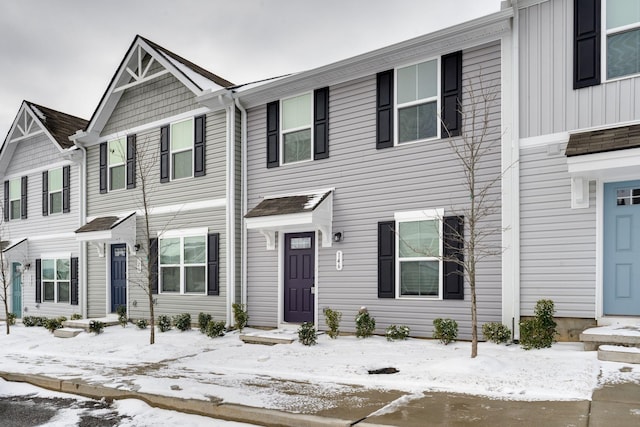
142,323
214,329
203,321
76,316
496,332
182,322
365,324
540,331
240,316
332,319
61,319
164,323
11,319
96,327
30,321
445,330
52,324
394,332
307,334
122,315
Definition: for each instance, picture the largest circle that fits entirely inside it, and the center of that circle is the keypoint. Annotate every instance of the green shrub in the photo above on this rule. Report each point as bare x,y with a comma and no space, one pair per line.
332,319
76,316
540,331
445,330
164,323
29,321
122,315
142,323
203,321
40,321
214,329
61,319
365,324
394,332
240,316
96,327
182,321
11,319
307,334
496,332
52,324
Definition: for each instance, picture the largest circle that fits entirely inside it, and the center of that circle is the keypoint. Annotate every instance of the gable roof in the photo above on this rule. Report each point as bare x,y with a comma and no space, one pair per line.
133,71
60,125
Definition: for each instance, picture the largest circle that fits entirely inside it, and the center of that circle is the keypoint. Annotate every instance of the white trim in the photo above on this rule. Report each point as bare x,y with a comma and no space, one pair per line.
58,236
603,44
56,255
282,131
421,215
599,309
184,232
280,290
182,150
611,165
544,140
41,169
170,209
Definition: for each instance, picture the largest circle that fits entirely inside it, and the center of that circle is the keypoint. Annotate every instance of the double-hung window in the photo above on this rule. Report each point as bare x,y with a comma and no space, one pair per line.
183,264
117,166
622,25
297,116
55,191
182,149
419,249
56,280
15,193
417,102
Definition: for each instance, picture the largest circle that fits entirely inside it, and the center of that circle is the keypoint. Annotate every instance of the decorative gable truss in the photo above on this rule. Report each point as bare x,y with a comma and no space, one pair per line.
25,125
138,68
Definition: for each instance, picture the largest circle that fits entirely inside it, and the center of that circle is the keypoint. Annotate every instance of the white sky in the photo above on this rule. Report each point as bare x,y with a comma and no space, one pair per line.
62,54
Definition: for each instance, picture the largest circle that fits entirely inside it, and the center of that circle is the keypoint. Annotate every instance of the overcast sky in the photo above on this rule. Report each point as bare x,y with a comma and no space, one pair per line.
62,53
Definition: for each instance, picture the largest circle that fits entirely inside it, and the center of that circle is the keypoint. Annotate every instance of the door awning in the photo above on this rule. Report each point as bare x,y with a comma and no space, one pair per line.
305,211
15,250
109,229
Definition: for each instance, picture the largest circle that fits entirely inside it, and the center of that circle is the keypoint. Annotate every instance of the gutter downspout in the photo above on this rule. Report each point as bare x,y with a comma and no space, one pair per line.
516,166
230,217
82,221
243,229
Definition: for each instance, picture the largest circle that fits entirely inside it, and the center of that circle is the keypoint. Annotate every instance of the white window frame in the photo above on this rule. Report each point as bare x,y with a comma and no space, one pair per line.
411,216
56,281
110,165
397,107
603,47
283,132
13,199
181,150
181,234
60,191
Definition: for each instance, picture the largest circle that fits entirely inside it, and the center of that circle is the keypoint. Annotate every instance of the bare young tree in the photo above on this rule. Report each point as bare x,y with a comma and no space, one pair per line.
4,283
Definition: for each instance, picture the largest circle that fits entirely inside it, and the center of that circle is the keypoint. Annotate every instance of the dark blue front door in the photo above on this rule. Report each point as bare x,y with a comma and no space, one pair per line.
118,276
299,273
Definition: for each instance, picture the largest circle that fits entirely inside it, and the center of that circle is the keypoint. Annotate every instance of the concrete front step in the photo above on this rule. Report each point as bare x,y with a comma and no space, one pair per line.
617,353
615,335
84,323
265,340
66,332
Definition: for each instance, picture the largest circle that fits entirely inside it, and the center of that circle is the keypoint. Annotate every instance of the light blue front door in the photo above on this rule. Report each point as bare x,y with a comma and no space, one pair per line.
621,284
16,290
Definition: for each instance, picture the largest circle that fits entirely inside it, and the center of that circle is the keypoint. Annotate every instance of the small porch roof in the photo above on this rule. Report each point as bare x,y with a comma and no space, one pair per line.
293,212
109,229
17,249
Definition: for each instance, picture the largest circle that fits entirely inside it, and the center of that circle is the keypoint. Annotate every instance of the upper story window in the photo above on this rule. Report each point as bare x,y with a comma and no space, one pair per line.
622,26
417,102
182,149
55,191
297,138
117,165
183,264
15,194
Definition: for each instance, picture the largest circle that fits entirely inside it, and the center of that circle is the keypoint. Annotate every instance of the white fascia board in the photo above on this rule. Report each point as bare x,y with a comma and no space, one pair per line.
605,165
279,222
89,236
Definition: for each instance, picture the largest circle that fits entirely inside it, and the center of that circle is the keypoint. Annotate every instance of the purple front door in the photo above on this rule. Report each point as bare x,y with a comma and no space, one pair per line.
299,271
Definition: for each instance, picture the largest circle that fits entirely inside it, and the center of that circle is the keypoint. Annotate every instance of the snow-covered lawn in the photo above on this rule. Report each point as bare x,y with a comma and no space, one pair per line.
292,376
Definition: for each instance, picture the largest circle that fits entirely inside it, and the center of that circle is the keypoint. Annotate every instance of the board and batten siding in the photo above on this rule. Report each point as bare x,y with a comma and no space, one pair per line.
370,186
557,243
551,105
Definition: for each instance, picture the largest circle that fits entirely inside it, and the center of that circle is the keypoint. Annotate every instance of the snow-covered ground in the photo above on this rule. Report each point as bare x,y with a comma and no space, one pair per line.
297,378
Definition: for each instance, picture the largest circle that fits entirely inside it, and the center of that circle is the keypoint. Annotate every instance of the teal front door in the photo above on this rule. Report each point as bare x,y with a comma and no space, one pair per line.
621,257
16,290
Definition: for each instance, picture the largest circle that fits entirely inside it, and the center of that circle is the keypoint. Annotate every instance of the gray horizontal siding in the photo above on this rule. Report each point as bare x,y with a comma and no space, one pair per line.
557,243
370,186
550,104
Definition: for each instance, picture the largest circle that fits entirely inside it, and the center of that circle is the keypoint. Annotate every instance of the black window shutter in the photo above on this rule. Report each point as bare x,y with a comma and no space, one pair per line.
321,123
66,189
213,264
153,264
23,198
453,242
131,161
103,167
451,96
6,201
164,154
38,281
586,43
273,134
45,193
199,164
384,112
74,281
386,259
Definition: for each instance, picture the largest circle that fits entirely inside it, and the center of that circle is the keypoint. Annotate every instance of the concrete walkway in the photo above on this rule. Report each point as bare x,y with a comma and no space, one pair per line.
614,405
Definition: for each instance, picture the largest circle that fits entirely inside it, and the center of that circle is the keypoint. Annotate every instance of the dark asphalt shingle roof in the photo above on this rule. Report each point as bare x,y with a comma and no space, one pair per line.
600,141
60,125
287,205
99,224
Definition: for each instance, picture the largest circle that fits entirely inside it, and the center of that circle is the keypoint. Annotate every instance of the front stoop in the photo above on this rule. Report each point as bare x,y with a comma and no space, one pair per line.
615,343
66,332
617,353
84,323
